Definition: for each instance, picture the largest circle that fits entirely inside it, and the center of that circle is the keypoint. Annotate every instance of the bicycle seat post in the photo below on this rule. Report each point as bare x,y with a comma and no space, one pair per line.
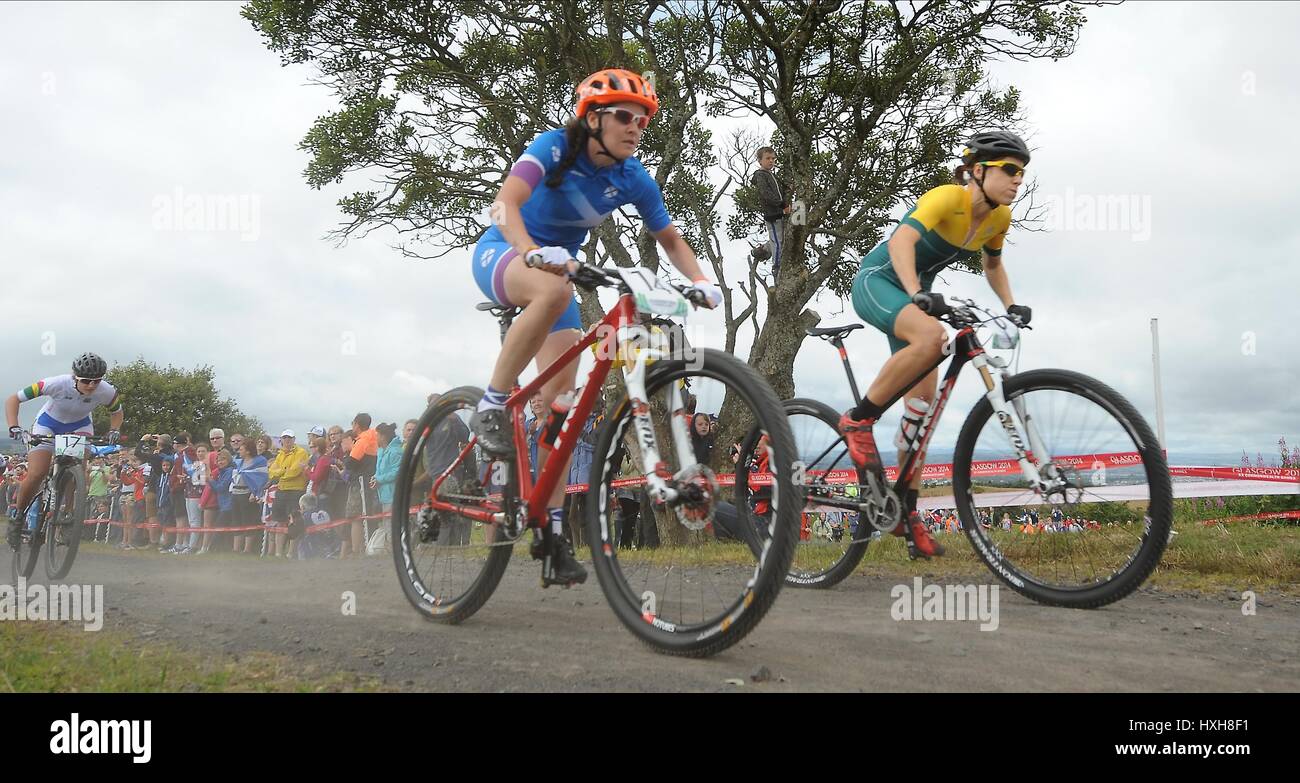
504,315
838,342
835,336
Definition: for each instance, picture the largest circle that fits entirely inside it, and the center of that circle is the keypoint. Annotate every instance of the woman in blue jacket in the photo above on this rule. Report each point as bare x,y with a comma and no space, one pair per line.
387,462
221,486
246,488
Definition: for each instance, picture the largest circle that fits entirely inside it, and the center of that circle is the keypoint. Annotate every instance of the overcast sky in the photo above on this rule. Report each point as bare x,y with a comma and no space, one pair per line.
113,118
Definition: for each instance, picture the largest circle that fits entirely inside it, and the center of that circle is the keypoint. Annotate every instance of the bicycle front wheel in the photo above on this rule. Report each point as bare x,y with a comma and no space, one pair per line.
63,530
1102,532
450,563
693,587
29,544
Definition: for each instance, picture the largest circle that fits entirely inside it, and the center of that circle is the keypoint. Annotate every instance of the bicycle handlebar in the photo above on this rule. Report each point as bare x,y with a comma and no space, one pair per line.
591,277
91,440
965,313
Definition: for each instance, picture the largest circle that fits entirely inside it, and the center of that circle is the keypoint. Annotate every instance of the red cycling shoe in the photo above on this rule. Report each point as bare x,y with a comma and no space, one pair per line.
861,442
923,542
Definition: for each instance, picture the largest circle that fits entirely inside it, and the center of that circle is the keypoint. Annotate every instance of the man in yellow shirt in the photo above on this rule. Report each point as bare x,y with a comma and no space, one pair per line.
289,473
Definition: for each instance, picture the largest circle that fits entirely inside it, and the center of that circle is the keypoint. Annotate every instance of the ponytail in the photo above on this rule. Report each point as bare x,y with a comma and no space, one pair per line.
576,134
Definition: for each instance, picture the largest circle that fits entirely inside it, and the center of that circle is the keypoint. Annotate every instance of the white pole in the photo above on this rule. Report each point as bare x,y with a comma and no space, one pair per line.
1155,366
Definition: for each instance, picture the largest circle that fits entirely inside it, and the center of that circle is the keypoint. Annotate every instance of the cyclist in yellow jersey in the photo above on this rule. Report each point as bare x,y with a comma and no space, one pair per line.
948,223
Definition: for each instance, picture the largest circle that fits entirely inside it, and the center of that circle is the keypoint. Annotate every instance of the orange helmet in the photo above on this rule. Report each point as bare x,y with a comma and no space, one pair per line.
615,85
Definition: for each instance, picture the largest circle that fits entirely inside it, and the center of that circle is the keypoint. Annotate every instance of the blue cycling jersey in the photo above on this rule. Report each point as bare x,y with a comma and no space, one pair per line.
562,216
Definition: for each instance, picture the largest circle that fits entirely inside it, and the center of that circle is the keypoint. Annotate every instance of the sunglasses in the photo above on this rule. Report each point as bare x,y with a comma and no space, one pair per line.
94,381
1011,169
626,117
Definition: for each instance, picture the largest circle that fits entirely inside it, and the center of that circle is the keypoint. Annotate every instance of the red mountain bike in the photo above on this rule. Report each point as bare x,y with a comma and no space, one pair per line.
696,588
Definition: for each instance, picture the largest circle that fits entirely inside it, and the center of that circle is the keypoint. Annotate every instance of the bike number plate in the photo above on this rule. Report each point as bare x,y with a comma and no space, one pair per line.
652,295
70,446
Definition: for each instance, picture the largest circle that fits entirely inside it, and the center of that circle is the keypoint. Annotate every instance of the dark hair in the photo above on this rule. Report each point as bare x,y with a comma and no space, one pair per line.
763,151
182,437
363,419
387,431
576,134
410,421
249,446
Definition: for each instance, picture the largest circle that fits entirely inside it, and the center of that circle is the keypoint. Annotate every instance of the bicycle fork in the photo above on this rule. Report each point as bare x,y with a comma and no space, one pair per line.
657,475
1017,424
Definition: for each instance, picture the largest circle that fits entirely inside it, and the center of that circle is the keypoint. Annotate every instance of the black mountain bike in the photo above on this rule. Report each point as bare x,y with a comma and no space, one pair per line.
60,506
1051,438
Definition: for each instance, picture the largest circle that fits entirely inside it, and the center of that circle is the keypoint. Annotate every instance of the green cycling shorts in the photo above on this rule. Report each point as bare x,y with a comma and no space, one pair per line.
877,296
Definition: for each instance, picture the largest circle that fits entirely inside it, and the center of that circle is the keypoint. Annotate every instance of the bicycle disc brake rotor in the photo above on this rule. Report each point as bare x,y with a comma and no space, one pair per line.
881,505
699,490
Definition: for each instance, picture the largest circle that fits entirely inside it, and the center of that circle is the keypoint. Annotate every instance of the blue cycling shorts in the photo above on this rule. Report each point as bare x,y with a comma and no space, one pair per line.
490,261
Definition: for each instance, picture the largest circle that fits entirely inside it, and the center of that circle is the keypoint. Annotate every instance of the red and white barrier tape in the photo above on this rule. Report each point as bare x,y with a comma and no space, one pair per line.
333,523
1253,517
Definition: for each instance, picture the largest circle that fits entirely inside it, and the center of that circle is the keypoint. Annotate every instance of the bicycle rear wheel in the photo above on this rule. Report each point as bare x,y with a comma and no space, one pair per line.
696,587
832,539
64,527
1104,533
447,563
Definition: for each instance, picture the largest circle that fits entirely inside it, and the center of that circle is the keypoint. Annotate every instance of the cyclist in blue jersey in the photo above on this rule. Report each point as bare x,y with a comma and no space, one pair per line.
68,404
567,181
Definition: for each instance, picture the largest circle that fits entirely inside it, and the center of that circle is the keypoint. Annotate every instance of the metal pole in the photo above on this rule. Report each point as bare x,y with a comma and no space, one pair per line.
1155,367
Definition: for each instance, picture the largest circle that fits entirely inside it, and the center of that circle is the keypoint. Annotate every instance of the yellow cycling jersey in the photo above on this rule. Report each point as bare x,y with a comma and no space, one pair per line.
943,216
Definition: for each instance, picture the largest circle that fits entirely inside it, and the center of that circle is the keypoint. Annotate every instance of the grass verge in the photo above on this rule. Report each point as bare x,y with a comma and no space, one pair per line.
61,657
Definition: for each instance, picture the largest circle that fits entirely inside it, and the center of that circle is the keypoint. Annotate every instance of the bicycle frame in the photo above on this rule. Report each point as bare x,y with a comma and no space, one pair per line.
965,348
616,330
44,494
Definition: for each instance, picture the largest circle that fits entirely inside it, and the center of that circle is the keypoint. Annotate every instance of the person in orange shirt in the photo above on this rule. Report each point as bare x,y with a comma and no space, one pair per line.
361,467
132,475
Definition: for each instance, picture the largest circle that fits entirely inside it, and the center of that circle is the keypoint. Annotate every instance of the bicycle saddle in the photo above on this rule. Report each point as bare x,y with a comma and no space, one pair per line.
833,332
493,307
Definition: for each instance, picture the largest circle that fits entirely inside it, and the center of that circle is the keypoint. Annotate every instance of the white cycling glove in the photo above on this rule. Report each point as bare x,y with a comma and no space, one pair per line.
551,259
712,293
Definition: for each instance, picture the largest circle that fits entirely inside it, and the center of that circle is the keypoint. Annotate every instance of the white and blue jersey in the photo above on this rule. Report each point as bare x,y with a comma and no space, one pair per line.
66,410
563,216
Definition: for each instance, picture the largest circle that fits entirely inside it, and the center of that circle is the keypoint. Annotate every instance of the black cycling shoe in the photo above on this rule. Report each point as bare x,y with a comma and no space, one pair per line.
492,427
15,533
561,568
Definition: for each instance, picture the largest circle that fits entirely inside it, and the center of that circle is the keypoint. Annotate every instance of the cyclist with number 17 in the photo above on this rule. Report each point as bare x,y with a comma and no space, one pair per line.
566,182
69,402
